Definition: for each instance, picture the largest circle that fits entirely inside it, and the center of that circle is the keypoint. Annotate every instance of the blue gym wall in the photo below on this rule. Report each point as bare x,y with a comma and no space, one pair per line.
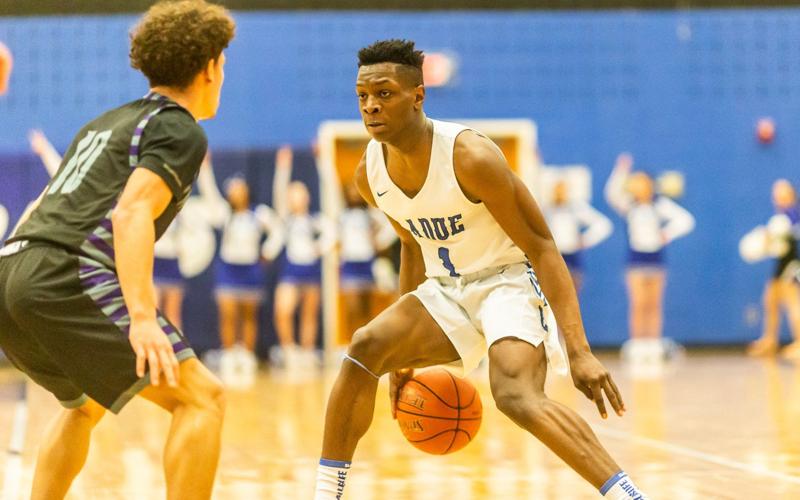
680,90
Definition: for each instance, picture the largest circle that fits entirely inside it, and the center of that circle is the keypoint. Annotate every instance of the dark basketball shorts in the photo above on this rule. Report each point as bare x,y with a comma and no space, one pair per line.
64,323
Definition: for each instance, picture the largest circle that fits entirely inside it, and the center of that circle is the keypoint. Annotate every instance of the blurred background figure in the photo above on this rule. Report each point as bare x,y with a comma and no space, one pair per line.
3,221
6,64
783,288
363,233
653,222
576,227
307,237
251,237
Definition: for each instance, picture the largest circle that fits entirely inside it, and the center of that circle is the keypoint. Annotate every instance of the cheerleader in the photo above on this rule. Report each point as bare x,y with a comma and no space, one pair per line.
653,222
783,287
576,226
363,232
251,237
307,237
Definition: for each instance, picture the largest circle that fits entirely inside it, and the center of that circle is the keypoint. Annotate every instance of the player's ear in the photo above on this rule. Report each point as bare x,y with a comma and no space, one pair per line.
419,96
212,69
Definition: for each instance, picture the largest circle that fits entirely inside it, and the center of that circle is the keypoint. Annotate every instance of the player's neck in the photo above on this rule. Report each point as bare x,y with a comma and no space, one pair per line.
415,139
186,98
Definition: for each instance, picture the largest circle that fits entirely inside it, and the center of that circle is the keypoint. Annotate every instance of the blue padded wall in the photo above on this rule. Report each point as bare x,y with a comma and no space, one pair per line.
680,90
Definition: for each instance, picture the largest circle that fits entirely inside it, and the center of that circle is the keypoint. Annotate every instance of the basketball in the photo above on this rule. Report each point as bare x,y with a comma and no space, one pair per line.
438,412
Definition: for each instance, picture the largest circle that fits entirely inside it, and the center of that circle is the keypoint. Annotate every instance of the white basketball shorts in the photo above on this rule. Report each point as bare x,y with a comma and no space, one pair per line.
476,310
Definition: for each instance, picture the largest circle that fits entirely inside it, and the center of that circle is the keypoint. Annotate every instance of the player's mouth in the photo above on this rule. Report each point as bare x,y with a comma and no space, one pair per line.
376,126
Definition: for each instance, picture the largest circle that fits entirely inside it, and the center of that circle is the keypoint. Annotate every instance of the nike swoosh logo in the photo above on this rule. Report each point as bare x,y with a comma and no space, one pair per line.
383,193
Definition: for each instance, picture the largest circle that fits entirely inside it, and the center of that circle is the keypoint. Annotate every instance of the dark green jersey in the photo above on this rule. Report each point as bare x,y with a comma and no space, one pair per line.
153,133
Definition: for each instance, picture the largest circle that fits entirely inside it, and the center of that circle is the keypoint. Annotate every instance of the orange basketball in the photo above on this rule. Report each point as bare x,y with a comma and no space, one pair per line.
438,412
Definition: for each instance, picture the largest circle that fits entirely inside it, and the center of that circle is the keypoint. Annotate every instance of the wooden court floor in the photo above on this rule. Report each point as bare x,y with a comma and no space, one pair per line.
713,425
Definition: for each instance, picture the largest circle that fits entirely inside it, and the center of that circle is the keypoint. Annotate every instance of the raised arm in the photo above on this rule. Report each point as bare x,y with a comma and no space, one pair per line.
215,205
276,233
616,196
45,151
598,226
280,184
679,222
485,177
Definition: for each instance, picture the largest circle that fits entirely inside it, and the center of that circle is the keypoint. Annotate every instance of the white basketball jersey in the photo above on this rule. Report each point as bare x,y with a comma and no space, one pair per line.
457,236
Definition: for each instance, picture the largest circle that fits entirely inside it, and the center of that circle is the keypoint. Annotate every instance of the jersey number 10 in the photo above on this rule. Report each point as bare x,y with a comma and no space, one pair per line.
86,153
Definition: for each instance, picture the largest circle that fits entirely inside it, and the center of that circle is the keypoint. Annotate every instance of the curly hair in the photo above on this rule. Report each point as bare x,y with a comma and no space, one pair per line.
395,51
175,40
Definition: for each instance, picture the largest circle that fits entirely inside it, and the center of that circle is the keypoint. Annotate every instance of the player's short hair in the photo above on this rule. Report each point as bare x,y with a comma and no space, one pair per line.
395,51
175,40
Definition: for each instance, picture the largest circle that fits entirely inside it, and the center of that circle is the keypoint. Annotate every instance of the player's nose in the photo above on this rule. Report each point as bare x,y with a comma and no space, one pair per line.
370,106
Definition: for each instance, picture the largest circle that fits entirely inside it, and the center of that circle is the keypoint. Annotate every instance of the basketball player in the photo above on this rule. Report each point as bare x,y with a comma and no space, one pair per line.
77,306
471,226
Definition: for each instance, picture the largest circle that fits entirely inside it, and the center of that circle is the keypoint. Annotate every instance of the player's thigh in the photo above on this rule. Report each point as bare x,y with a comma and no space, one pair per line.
197,387
404,335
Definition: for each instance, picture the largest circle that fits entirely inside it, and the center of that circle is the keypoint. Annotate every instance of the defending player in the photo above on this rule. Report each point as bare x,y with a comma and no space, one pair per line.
471,226
77,305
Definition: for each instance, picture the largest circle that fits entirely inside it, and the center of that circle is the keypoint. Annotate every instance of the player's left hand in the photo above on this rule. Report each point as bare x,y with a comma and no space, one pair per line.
592,379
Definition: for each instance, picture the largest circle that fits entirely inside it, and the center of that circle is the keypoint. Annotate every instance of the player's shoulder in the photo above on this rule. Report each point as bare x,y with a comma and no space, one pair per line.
178,125
474,153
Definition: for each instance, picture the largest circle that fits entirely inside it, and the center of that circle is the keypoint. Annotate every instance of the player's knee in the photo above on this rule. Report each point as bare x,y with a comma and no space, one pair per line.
208,395
369,348
526,408
214,400
90,410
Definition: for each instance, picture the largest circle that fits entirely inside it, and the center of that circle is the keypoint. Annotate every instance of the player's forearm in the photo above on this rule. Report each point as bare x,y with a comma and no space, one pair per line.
557,286
412,268
134,239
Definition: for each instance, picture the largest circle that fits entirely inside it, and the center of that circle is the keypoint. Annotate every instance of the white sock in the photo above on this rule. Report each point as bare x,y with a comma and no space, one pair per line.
620,487
331,475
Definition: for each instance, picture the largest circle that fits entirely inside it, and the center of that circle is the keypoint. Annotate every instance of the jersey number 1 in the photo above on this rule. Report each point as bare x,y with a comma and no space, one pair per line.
86,153
444,255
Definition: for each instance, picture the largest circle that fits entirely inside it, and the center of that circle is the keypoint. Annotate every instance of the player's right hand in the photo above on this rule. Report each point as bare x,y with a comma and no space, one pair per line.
153,349
396,382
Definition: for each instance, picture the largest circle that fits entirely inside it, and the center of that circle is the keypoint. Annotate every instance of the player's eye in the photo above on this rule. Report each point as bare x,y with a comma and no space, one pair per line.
385,93
362,95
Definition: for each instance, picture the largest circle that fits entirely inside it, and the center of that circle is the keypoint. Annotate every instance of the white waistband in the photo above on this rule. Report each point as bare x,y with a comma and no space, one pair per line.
468,278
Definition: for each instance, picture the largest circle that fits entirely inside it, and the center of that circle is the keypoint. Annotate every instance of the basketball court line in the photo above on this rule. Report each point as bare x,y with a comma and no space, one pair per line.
13,474
697,455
